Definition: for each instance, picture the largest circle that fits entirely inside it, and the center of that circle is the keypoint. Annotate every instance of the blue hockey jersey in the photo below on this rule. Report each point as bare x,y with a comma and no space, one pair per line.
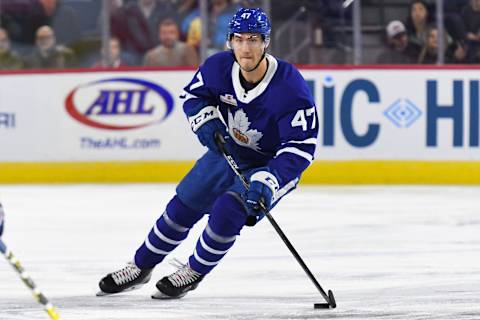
274,124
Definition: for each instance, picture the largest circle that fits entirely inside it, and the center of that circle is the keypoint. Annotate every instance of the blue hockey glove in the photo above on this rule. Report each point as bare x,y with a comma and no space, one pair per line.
2,219
205,122
263,186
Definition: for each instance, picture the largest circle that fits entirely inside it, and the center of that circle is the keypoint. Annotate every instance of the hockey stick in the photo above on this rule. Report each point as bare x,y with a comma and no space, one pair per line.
331,303
39,296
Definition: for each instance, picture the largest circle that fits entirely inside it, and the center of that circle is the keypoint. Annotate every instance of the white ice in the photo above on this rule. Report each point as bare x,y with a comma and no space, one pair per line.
387,252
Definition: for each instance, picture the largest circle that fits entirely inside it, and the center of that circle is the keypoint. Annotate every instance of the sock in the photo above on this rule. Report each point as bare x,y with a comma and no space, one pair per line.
167,233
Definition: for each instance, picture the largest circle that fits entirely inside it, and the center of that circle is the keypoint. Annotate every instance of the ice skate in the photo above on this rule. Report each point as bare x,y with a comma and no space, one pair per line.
178,284
126,279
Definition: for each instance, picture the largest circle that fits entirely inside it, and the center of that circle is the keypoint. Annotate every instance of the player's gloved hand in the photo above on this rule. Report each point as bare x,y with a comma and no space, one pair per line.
205,121
263,186
2,219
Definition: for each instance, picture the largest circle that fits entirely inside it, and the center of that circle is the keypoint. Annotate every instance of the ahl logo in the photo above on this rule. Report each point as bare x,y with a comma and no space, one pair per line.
119,103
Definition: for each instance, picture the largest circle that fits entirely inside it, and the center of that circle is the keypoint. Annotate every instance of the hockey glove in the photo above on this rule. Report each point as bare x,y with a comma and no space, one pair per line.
204,123
263,186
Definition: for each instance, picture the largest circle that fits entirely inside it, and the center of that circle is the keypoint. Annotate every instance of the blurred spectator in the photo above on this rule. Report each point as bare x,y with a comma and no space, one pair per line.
418,21
171,51
118,13
324,17
9,60
453,18
63,20
400,49
190,23
249,3
457,53
22,18
471,19
138,24
117,59
47,53
194,34
429,54
187,10
221,12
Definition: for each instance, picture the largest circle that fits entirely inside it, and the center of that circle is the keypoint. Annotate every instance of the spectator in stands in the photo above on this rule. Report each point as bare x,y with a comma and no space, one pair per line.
400,49
453,19
117,59
140,22
21,21
221,12
63,20
118,16
429,54
194,34
251,3
47,53
188,11
471,19
171,51
417,22
9,60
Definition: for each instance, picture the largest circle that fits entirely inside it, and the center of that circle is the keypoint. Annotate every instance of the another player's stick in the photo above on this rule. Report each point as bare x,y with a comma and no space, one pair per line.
39,296
233,164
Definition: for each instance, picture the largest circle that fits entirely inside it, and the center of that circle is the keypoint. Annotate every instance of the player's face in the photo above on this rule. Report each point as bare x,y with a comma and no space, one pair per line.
248,49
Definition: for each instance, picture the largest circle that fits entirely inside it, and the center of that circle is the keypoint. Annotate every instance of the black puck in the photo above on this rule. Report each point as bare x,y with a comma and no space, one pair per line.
321,306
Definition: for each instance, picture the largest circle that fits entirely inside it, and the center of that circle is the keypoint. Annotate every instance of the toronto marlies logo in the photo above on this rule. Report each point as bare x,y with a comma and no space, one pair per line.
239,128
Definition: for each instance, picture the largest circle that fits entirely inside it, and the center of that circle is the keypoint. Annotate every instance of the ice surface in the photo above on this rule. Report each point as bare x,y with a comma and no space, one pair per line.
386,252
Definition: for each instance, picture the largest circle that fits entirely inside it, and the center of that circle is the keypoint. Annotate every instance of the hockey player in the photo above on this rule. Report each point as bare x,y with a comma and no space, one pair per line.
264,109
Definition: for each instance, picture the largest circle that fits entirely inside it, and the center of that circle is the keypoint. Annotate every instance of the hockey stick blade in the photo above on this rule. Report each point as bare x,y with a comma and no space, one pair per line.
331,304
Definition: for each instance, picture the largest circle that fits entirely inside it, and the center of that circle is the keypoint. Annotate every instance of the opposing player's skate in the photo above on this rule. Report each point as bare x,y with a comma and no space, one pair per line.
126,279
178,284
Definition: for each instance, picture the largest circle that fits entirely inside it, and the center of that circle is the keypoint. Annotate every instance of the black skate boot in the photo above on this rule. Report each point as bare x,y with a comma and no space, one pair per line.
177,284
125,279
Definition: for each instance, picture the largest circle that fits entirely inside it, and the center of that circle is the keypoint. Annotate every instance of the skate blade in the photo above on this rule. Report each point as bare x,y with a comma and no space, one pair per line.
103,294
162,296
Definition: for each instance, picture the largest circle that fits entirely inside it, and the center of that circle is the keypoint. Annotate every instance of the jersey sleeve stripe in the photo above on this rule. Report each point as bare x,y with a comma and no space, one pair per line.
286,188
296,151
307,141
